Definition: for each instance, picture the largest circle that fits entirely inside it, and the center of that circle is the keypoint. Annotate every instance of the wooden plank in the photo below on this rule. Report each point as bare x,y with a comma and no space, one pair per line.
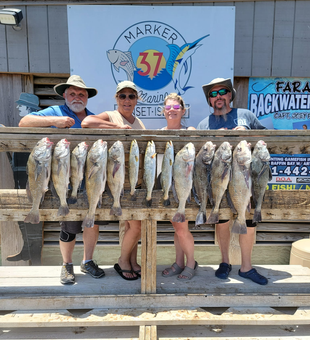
262,36
244,40
58,48
277,205
3,48
38,39
283,38
150,318
301,46
17,46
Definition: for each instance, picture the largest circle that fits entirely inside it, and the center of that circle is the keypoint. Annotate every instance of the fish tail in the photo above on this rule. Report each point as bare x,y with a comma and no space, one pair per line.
148,202
72,199
88,221
178,217
200,218
63,210
166,202
257,216
33,217
239,227
117,211
133,196
213,217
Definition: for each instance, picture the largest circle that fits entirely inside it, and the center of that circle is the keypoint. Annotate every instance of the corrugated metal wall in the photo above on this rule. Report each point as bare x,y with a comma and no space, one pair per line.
272,39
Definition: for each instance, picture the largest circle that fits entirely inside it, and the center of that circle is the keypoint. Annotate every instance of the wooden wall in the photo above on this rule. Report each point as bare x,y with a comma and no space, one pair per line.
272,38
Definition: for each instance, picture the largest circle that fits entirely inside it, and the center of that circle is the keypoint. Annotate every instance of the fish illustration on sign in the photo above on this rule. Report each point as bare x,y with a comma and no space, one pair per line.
120,59
178,60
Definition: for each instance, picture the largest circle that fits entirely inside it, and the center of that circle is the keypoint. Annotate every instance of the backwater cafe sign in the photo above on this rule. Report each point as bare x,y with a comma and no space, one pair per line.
283,104
162,49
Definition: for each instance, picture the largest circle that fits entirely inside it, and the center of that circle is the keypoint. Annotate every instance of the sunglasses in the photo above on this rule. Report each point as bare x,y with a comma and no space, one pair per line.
123,96
175,107
221,92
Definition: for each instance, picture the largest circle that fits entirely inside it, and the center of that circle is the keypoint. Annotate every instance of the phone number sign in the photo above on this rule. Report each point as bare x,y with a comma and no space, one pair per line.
289,172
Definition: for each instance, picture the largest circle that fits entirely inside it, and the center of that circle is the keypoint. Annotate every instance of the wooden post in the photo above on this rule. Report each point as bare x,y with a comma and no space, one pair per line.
148,332
148,256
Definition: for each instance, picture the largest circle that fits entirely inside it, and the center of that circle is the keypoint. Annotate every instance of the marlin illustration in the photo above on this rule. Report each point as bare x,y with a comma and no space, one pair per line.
120,59
177,59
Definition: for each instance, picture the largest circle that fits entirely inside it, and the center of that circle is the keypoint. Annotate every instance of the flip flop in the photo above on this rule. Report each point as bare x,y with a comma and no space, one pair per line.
172,272
137,272
188,272
120,271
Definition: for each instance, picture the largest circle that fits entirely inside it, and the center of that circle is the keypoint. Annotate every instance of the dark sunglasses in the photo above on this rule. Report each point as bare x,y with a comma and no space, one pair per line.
169,107
221,92
130,96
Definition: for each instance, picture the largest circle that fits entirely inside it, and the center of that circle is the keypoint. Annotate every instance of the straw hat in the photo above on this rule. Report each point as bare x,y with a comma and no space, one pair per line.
126,84
75,81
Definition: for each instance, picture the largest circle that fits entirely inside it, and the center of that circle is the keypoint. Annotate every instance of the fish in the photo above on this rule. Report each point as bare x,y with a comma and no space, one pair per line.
261,175
61,174
201,180
149,171
116,175
240,186
95,178
120,59
166,172
177,64
133,168
77,165
220,177
183,179
39,172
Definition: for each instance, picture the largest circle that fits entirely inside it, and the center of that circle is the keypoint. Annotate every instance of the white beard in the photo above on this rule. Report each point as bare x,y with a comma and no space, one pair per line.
76,106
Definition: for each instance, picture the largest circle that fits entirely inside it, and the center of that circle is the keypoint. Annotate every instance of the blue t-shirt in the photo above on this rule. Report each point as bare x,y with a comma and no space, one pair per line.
236,117
60,111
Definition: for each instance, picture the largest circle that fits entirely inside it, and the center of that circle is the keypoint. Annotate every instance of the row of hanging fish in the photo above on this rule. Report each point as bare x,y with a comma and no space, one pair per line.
210,174
239,173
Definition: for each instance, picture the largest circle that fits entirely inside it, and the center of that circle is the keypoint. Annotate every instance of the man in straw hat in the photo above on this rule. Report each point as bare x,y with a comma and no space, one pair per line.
70,115
220,93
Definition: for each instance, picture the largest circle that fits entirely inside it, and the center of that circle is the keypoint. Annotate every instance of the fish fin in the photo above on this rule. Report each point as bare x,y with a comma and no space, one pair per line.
238,227
270,174
196,198
72,199
175,193
117,211
148,202
167,202
178,217
63,210
201,218
28,192
38,170
230,202
224,174
257,216
88,221
94,168
213,218
33,217
116,68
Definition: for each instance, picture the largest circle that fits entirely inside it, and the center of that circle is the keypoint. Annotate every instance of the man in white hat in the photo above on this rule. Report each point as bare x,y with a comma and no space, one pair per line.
70,115
220,93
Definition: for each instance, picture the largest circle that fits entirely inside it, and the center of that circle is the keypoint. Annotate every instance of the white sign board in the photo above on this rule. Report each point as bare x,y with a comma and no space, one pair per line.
162,49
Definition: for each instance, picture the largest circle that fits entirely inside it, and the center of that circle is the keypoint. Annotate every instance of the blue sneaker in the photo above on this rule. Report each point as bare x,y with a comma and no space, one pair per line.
254,276
223,271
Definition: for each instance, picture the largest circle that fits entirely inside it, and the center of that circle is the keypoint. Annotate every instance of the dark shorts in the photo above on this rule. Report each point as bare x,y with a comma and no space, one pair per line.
249,223
75,227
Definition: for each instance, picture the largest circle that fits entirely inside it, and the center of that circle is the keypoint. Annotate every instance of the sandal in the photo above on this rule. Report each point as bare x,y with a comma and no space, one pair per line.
188,272
177,270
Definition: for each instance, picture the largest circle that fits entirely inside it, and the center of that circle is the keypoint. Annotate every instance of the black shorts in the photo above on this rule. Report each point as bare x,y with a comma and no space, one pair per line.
249,223
75,227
